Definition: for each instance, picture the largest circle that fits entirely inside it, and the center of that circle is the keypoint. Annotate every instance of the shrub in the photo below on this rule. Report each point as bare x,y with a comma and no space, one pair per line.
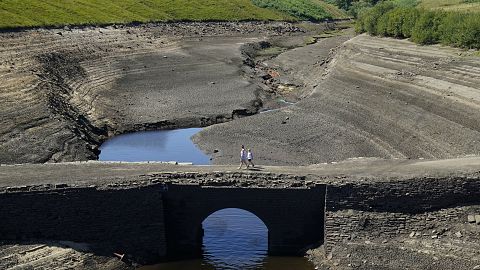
423,26
357,7
410,17
461,30
381,28
394,22
371,17
426,30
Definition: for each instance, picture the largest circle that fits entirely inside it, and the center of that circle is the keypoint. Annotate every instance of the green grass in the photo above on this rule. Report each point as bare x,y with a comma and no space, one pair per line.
303,9
38,13
451,5
424,26
328,34
29,13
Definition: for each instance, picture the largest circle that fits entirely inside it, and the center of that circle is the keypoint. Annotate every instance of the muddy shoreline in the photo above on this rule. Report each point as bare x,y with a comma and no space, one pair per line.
65,91
74,88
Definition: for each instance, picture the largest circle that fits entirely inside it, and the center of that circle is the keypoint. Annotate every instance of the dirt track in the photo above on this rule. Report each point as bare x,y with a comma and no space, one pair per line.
377,98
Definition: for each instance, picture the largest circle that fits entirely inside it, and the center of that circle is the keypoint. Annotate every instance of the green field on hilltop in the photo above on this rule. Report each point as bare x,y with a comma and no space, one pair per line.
33,13
451,5
303,9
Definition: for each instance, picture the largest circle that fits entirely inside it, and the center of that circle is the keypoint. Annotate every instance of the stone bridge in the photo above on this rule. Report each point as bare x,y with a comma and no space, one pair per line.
294,217
157,221
150,214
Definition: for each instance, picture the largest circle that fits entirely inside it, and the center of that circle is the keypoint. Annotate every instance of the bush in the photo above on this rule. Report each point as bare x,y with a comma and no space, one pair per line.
371,17
410,17
357,7
423,26
461,30
426,30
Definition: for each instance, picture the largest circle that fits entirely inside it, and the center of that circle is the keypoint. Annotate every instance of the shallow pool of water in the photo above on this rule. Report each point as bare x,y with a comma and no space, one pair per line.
235,239
163,145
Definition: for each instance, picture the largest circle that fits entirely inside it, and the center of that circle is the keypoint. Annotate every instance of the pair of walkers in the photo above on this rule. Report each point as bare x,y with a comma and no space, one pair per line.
246,157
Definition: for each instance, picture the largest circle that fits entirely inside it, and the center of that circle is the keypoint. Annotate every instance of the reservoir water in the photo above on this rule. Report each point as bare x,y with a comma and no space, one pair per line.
233,238
163,145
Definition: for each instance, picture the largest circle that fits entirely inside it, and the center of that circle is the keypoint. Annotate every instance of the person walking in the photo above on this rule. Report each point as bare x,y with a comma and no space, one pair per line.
243,157
250,158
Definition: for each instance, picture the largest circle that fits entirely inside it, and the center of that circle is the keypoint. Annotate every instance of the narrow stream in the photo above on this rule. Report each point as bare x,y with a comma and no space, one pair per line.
233,238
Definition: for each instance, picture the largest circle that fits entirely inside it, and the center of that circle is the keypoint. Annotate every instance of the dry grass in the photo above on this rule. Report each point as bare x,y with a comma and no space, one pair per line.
451,5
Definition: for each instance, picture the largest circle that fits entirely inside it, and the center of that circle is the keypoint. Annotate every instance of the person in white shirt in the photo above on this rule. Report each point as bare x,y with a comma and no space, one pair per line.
243,157
250,158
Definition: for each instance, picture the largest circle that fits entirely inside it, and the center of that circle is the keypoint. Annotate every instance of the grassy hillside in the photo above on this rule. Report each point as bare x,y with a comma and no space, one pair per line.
303,9
451,5
30,13
17,13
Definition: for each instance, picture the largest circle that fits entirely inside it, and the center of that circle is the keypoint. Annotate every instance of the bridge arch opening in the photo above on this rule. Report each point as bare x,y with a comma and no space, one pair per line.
233,238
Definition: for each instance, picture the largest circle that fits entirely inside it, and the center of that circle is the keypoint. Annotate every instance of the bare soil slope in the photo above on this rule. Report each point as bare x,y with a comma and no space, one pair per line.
377,97
64,91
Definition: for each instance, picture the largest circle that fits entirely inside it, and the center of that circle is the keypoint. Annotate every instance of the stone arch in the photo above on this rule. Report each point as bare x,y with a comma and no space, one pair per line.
248,214
251,211
294,217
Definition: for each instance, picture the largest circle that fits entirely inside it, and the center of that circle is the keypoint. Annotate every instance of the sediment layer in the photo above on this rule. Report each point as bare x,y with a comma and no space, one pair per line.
65,91
376,97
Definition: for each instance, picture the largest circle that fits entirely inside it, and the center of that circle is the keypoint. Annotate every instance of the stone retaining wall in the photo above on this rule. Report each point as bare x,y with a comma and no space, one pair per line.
126,221
159,215
387,209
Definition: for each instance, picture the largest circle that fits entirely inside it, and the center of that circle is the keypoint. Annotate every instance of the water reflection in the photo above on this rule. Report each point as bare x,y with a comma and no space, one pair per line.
235,239
269,263
164,145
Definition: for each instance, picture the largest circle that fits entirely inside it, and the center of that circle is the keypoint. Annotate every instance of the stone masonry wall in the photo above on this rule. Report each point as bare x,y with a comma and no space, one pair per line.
294,217
387,209
126,221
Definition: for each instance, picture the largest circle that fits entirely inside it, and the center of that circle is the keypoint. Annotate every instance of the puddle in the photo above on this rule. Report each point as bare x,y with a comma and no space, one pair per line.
163,145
